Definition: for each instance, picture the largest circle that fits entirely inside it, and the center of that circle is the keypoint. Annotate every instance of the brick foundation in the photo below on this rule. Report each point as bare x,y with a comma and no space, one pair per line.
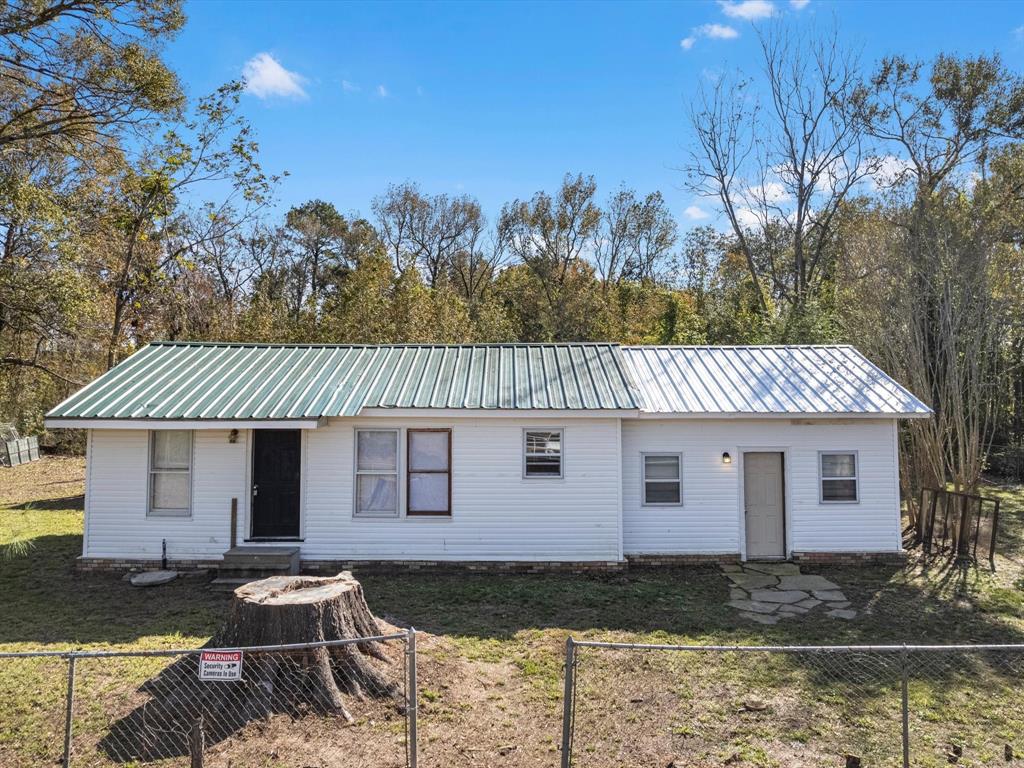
330,567
850,558
662,561
118,565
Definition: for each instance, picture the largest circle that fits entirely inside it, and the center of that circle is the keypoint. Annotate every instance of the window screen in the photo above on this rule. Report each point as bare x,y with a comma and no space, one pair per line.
429,475
663,478
377,472
170,472
839,476
543,453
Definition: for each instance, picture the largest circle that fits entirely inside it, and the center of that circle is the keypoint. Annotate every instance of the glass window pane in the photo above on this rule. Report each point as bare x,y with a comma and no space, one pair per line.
170,490
661,467
838,465
377,450
543,465
428,492
662,493
172,449
377,493
428,450
543,442
839,490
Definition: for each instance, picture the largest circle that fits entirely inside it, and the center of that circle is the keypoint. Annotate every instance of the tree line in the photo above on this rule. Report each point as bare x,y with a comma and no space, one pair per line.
879,203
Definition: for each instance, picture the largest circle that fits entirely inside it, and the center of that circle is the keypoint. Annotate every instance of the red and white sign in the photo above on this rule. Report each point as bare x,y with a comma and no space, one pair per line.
220,665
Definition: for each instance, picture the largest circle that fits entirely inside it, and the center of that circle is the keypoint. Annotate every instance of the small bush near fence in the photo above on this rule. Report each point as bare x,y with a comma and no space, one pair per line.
678,705
152,708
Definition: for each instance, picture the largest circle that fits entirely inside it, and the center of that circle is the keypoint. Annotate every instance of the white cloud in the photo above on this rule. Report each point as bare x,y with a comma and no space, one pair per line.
889,171
798,5
383,92
713,31
718,31
772,192
265,77
748,10
349,87
695,213
747,218
1019,33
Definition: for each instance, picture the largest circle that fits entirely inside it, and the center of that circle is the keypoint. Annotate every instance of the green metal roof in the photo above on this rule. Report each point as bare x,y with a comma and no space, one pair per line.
219,381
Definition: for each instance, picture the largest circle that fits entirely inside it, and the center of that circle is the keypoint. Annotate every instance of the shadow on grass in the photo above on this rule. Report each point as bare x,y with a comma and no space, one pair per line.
49,505
45,602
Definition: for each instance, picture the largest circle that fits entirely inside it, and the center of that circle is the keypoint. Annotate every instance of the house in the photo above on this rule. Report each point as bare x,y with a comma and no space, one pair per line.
586,455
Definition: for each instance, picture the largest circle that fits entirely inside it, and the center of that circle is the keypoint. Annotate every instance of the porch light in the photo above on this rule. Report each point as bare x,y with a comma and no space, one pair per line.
726,458
233,436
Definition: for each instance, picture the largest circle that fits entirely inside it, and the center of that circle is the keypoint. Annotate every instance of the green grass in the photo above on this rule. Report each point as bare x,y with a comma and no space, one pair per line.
511,631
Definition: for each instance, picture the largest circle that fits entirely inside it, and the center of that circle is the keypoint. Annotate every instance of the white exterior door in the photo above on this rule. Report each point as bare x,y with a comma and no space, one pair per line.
764,505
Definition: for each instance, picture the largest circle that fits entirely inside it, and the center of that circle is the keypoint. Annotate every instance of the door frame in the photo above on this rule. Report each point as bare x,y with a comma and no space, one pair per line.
741,451
250,441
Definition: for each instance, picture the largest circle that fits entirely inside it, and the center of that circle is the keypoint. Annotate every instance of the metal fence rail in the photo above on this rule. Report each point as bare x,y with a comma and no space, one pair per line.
138,708
641,705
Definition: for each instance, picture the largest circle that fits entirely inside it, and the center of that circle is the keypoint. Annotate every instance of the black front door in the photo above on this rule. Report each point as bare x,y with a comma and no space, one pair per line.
276,470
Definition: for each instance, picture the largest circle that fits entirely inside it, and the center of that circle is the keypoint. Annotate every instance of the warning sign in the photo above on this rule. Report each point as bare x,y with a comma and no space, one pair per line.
220,665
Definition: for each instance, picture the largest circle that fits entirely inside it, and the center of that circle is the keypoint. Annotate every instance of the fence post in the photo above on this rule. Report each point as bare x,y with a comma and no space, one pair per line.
69,709
905,674
197,743
567,699
411,696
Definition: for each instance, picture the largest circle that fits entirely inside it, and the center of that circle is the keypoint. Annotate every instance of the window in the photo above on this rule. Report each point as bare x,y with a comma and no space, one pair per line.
663,479
838,476
543,453
170,472
429,476
377,472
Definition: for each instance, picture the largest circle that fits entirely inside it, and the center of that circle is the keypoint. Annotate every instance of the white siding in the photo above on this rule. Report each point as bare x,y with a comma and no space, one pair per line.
496,513
709,522
116,520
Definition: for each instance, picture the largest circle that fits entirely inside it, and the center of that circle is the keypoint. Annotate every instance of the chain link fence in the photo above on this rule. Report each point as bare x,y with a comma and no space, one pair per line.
666,705
317,705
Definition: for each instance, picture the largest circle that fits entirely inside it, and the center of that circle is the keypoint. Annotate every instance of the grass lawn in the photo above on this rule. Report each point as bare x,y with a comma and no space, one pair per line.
491,669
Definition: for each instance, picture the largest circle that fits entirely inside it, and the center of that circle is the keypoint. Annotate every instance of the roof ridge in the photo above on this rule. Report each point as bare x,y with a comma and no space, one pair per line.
346,345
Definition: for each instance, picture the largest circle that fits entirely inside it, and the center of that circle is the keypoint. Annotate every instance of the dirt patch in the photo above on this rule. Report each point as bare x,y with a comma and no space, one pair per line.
53,482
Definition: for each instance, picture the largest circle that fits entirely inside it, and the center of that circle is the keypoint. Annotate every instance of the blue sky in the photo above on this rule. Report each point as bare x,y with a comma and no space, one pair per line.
499,100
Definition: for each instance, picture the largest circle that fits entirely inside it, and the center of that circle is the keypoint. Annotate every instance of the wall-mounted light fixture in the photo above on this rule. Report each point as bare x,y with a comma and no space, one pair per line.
726,458
233,436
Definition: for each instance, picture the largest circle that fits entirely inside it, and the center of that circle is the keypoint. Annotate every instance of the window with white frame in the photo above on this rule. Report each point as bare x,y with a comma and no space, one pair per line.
430,472
376,472
838,472
170,472
542,453
663,479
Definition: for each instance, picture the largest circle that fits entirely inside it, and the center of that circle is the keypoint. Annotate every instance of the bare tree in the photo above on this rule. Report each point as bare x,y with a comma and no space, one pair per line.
781,172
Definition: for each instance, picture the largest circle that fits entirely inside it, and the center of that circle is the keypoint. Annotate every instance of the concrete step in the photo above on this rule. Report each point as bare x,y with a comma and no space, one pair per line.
256,560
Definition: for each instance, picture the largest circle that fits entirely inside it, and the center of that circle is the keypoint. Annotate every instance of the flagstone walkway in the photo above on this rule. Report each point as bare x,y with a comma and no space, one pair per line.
768,592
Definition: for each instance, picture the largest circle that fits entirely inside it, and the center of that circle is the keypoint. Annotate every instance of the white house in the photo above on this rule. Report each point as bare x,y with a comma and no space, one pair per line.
587,455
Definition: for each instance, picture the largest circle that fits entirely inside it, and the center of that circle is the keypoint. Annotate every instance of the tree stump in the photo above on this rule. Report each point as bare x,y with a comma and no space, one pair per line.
286,610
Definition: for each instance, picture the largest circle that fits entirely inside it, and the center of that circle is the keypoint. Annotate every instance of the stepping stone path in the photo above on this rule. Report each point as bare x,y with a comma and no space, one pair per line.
767,592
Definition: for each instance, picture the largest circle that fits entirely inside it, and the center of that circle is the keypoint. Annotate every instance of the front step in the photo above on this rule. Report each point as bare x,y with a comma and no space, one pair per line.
251,563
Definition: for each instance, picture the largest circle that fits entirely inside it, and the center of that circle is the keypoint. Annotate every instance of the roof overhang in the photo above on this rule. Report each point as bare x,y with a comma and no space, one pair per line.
59,423
500,413
795,417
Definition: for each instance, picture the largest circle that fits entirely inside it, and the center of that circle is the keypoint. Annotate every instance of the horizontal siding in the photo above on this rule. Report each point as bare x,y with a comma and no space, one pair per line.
709,520
497,514
116,520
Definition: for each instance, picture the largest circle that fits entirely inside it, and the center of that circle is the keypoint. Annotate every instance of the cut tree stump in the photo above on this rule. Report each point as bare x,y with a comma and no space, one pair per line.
282,610
287,610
